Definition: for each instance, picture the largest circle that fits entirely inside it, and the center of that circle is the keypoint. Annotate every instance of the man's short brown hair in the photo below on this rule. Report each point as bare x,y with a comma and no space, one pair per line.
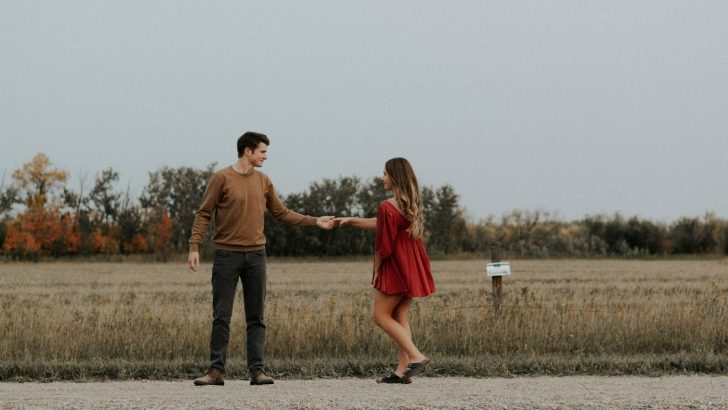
251,140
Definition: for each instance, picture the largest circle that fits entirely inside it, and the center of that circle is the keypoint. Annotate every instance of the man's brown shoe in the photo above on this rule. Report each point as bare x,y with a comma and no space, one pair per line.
258,377
213,377
393,378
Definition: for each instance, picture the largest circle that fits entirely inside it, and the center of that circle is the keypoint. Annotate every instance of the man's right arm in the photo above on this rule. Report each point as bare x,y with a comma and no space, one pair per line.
203,215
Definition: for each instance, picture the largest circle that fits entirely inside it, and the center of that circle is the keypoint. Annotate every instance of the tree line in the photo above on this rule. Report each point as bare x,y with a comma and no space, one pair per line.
40,216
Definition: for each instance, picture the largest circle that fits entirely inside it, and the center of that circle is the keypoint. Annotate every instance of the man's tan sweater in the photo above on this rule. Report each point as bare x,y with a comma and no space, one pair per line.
239,202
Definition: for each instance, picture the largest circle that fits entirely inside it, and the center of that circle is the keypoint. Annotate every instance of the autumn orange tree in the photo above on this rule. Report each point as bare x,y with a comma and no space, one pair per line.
40,229
160,232
37,179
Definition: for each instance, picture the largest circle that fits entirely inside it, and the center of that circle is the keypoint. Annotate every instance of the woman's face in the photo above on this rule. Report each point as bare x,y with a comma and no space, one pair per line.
387,181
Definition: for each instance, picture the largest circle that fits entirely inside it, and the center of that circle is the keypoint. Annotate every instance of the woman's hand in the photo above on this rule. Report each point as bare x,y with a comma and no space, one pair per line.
377,266
344,220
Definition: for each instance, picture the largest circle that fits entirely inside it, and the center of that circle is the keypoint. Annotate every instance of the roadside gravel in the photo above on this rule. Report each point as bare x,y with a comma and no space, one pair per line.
573,392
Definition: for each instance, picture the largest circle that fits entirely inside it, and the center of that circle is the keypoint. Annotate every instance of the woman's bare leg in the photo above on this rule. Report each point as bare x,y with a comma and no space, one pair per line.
401,315
384,306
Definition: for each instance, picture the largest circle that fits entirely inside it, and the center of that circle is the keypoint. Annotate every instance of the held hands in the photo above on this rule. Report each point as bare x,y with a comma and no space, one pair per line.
325,222
342,220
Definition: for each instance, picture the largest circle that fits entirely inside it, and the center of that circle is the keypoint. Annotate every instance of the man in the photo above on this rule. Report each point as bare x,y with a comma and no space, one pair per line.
238,196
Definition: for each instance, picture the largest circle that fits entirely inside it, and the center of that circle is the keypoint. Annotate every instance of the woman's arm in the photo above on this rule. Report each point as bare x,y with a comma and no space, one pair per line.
363,223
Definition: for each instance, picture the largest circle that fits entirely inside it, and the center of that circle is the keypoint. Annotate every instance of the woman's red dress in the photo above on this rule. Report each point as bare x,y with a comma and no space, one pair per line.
405,267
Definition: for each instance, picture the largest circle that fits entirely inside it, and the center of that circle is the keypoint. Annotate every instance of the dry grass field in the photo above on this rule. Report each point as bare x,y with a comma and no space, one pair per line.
69,320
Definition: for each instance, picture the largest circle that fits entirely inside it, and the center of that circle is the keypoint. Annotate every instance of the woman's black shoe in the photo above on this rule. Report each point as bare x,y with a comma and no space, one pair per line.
413,369
393,378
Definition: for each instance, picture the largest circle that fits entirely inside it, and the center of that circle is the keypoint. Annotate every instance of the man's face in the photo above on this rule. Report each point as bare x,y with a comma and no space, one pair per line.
259,155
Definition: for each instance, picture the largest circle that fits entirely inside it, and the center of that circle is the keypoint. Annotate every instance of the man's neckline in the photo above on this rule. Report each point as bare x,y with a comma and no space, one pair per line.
251,172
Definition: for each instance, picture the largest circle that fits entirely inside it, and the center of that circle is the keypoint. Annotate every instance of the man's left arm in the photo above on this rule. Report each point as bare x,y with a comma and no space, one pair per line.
281,213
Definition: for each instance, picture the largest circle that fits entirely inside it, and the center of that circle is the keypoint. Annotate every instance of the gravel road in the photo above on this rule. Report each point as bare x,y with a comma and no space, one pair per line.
591,392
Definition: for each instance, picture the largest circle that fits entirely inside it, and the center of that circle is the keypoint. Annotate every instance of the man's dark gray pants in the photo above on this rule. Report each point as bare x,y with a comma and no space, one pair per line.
227,268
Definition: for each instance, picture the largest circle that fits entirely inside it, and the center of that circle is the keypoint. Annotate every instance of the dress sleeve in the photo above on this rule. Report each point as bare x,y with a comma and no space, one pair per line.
386,232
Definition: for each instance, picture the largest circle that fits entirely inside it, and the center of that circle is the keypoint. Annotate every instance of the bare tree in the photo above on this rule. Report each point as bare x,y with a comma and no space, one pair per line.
9,195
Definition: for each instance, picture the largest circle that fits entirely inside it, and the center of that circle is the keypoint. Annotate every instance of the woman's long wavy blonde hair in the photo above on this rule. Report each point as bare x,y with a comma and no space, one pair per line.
407,191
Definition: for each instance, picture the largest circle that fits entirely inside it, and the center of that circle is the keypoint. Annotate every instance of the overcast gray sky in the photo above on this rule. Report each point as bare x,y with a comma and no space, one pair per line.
578,107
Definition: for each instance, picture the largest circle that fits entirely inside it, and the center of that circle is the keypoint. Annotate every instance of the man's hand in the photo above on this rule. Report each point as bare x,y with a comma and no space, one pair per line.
194,260
325,222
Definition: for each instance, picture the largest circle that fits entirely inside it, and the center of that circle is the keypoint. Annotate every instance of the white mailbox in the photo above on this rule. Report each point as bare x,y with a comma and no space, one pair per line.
498,269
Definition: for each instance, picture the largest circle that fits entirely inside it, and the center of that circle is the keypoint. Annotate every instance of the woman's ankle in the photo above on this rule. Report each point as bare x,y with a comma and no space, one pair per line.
417,358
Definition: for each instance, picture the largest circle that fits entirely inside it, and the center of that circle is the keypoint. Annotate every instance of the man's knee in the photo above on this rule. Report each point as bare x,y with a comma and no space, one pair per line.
222,313
222,316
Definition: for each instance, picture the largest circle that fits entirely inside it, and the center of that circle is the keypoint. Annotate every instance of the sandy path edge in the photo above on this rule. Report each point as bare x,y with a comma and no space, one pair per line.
442,392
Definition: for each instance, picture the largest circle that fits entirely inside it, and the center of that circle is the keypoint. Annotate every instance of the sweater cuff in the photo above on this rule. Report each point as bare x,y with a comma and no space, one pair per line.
194,247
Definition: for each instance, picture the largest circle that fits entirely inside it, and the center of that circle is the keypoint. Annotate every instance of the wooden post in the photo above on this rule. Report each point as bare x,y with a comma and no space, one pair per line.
497,280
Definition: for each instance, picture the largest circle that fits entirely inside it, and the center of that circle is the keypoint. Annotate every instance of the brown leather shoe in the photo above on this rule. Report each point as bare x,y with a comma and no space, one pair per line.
212,377
258,377
393,378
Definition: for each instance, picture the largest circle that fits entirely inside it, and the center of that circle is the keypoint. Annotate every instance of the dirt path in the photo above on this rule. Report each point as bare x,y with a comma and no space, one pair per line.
702,392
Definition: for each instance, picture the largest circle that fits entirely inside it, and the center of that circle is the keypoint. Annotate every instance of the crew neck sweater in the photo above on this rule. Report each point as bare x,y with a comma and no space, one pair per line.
238,201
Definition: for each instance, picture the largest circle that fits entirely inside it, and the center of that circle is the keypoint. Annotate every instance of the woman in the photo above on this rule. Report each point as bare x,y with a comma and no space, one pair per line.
401,267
